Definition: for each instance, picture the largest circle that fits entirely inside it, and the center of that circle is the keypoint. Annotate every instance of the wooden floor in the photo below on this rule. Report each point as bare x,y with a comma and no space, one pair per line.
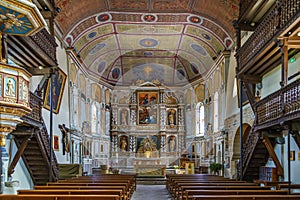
151,192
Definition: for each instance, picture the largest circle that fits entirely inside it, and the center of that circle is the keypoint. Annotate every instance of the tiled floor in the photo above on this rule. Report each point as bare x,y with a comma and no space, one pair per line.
151,192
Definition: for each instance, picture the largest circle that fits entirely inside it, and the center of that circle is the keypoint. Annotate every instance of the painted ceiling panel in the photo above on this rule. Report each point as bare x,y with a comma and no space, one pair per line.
141,29
163,42
118,40
206,36
109,58
188,59
97,48
92,35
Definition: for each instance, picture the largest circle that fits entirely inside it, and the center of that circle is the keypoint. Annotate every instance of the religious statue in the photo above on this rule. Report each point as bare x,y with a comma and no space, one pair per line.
172,143
65,138
124,117
123,144
171,117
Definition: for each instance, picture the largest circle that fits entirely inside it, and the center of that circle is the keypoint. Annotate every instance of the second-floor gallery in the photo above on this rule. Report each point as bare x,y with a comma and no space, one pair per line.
146,86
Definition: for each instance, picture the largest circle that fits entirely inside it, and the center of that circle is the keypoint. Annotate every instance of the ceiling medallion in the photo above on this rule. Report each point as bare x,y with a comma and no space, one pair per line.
148,42
149,18
195,19
103,17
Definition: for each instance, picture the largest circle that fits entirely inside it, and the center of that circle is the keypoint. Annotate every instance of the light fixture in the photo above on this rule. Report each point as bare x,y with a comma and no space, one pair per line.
293,59
252,24
298,34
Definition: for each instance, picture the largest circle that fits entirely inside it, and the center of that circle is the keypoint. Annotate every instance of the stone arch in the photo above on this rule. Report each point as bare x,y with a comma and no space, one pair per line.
236,143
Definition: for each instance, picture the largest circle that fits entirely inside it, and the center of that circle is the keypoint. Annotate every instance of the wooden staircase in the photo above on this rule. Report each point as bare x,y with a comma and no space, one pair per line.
259,158
34,147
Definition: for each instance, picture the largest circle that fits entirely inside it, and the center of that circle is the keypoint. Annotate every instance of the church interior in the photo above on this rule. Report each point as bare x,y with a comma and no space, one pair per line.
149,92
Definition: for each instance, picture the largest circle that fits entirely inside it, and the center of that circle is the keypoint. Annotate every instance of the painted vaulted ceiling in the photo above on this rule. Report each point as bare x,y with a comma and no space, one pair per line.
172,41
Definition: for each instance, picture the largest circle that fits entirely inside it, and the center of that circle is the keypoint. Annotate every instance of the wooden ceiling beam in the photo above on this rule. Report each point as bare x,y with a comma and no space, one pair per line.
26,51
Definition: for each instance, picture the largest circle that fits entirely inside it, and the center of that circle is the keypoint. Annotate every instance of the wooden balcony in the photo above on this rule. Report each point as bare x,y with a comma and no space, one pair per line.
281,106
260,52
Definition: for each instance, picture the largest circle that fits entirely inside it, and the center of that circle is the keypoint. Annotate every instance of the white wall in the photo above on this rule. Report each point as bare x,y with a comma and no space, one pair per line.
282,154
63,115
231,89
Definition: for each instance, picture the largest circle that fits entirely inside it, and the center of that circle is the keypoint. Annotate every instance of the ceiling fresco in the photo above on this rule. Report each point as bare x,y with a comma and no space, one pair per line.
172,41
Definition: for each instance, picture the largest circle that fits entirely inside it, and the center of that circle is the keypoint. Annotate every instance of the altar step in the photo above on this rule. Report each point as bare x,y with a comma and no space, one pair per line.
150,180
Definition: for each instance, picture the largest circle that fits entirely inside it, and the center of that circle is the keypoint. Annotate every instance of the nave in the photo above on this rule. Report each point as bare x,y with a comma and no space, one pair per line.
151,192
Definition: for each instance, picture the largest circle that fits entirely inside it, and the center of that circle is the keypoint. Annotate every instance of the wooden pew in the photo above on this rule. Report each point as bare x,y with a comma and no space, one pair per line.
67,197
8,197
189,193
125,194
73,192
245,197
182,190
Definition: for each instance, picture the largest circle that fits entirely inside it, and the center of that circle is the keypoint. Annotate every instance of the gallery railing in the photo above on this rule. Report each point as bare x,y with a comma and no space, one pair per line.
279,19
284,104
46,42
35,116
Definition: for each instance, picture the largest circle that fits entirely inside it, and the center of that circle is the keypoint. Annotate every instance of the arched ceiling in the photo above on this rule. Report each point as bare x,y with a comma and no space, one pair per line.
172,41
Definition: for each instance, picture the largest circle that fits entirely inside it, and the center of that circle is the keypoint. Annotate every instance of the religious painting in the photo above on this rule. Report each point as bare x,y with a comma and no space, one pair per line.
292,155
58,84
147,102
10,89
55,143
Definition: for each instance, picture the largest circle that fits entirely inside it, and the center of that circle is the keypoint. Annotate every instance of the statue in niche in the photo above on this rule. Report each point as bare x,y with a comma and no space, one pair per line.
171,117
124,117
172,143
124,144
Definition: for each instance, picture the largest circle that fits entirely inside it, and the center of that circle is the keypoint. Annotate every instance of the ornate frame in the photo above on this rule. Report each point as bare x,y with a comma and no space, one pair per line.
147,107
59,80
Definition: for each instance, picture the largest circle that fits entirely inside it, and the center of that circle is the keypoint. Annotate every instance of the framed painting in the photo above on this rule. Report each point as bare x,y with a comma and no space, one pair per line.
292,155
147,102
55,143
59,80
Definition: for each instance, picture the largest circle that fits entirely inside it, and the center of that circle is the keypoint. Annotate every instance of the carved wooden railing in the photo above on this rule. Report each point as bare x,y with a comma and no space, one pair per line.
35,116
43,138
280,18
284,104
46,42
248,149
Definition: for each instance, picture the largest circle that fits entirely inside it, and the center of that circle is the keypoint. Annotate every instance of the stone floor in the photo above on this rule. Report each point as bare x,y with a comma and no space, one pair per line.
151,192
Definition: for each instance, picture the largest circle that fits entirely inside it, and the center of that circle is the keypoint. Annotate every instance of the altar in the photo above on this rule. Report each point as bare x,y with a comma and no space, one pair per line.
147,161
149,167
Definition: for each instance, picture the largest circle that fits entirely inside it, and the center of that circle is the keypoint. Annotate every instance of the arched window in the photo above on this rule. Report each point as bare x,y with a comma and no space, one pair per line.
94,118
216,112
200,119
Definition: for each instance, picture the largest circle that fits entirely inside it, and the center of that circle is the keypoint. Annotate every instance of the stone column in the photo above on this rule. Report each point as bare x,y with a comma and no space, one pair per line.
132,143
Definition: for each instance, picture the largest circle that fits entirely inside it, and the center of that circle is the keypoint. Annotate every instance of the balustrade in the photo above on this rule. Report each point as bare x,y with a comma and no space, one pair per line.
278,19
284,103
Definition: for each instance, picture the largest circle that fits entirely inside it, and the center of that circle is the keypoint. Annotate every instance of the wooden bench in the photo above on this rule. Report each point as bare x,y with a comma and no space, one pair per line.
189,193
125,194
8,197
73,192
66,197
182,190
245,197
